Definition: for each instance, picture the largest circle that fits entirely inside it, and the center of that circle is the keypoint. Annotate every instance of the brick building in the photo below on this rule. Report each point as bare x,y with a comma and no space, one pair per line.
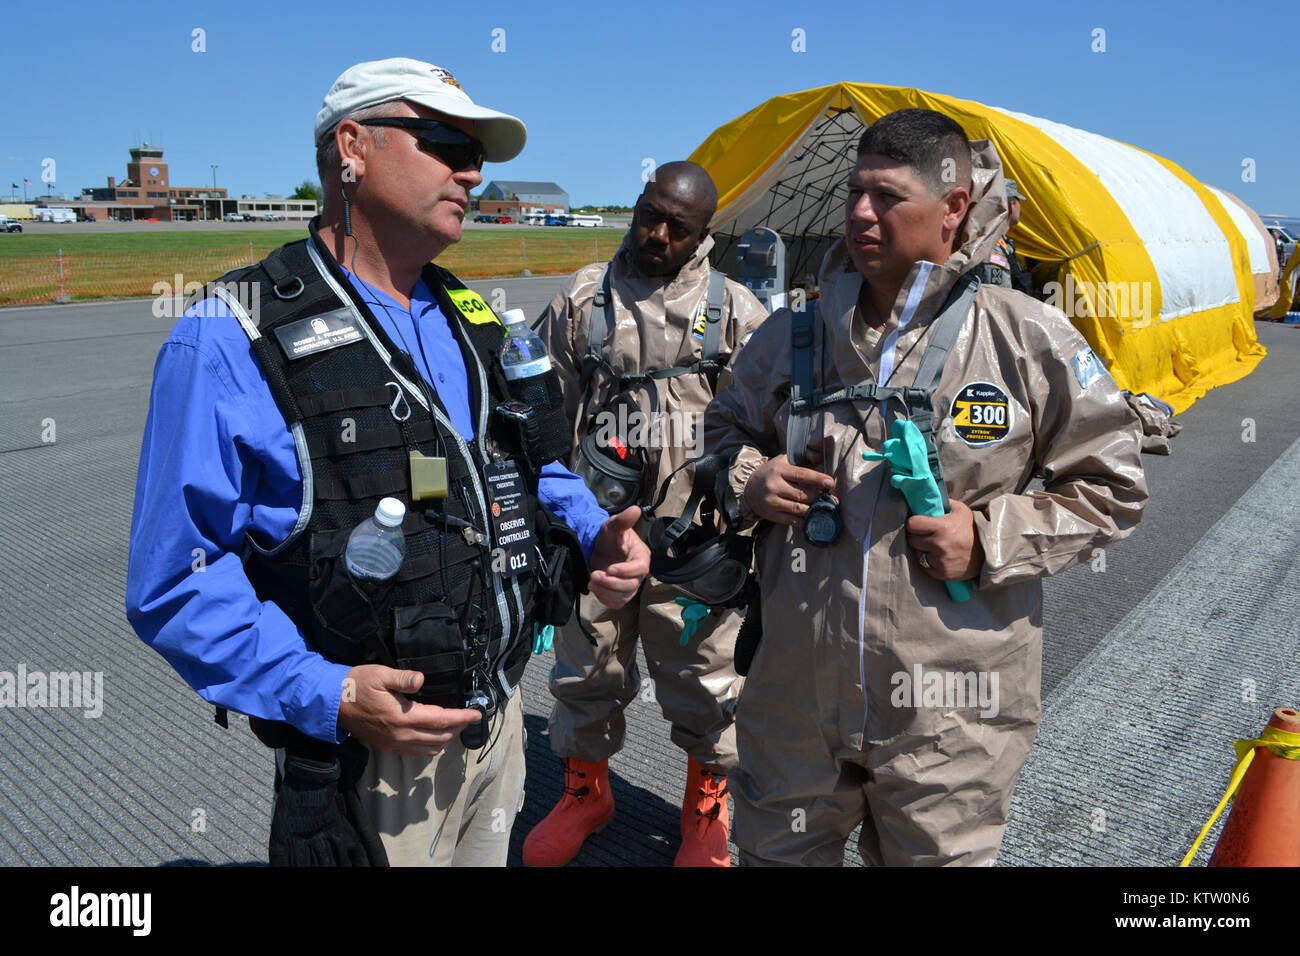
507,197
147,193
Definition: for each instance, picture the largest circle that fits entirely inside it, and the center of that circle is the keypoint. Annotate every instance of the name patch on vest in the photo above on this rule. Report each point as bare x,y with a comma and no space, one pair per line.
309,336
472,306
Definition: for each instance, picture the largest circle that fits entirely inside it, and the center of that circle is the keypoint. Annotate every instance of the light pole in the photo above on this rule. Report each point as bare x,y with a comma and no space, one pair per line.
214,174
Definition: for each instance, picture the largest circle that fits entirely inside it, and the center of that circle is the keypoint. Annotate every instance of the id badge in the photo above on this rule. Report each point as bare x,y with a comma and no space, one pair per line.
511,523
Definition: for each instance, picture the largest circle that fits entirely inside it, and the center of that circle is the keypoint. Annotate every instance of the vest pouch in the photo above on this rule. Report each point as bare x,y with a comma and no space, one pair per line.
562,574
549,435
345,625
428,639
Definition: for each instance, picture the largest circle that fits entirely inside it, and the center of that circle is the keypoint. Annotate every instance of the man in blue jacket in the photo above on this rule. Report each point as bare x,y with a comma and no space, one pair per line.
356,370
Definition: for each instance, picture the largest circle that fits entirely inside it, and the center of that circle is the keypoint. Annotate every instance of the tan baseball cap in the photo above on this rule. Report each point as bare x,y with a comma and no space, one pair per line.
400,78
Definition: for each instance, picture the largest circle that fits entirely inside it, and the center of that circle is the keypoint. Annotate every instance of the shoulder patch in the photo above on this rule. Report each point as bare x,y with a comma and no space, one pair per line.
1087,367
472,306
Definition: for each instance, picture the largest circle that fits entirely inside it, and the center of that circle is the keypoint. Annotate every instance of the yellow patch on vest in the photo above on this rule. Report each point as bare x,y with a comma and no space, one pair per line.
472,306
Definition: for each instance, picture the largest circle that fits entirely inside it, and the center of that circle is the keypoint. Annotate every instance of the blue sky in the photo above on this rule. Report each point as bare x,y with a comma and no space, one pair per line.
602,86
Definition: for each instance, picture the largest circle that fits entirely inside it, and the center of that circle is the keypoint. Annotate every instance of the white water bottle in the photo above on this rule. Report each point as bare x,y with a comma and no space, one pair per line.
524,355
376,546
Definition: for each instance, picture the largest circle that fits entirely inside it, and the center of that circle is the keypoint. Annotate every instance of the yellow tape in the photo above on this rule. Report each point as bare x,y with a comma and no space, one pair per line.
472,306
1283,743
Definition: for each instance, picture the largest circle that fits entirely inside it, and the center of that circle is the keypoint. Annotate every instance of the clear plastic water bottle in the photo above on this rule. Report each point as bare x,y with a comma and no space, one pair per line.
524,355
376,546
547,432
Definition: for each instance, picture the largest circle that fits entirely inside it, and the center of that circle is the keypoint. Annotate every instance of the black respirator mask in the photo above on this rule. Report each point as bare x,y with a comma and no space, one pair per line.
613,460
712,565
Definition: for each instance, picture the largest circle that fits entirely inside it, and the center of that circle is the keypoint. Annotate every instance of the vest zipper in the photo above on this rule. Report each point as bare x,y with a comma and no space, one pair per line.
479,433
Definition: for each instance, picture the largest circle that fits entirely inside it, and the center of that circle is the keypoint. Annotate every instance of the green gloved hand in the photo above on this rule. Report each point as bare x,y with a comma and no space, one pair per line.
692,613
910,465
542,638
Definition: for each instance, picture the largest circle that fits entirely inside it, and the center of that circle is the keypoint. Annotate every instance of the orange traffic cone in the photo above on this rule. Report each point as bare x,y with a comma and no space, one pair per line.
1264,826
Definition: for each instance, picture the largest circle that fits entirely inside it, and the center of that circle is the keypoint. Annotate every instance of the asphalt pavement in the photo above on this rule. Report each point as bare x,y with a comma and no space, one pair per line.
1185,639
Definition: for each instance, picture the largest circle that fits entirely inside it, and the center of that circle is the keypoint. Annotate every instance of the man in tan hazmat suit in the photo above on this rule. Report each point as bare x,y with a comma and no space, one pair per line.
666,312
875,697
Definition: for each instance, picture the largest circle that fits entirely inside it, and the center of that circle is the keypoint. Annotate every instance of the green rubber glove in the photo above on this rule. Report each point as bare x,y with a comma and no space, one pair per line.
542,637
692,613
906,455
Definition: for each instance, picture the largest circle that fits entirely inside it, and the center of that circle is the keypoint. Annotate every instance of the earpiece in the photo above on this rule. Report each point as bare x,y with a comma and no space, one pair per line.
347,204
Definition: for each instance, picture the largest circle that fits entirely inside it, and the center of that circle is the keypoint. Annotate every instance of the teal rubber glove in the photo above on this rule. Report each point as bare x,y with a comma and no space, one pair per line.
692,613
906,455
542,637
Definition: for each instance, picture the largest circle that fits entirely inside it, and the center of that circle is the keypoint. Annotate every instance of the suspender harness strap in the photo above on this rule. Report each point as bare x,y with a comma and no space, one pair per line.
602,318
917,398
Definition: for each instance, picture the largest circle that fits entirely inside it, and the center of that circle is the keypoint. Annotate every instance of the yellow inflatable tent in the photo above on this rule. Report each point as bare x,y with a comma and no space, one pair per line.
1157,270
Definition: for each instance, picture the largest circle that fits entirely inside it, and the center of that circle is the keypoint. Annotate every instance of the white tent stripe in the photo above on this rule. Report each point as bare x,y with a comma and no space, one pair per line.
1249,231
1190,253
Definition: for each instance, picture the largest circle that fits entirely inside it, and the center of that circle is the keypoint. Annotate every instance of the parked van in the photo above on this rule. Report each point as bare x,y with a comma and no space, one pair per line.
54,214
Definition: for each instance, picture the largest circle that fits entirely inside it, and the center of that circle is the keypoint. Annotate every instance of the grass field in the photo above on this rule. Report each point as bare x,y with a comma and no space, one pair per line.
34,269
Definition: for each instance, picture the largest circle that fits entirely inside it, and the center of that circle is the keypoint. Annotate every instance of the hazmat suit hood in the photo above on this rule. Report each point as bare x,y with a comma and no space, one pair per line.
686,277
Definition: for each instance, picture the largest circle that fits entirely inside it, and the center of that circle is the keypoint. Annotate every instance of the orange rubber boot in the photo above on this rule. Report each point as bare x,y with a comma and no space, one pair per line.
704,819
585,808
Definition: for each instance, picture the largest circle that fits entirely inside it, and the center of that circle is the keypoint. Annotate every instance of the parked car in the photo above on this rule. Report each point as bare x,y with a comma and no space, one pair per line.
9,225
271,217
1285,239
505,219
232,217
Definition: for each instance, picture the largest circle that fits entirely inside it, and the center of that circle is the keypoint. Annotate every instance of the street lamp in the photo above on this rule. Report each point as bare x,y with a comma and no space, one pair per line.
214,174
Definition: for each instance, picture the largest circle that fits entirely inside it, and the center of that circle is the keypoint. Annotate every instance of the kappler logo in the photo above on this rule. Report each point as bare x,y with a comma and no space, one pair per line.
75,908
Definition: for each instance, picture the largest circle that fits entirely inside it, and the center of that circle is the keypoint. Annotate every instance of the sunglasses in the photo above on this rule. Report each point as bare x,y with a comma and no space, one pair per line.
453,146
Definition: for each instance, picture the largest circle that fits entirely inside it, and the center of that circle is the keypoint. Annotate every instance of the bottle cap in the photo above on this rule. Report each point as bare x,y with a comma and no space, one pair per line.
513,316
390,512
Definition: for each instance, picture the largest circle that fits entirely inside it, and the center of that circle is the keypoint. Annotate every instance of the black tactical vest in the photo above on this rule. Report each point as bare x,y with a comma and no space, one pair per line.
357,407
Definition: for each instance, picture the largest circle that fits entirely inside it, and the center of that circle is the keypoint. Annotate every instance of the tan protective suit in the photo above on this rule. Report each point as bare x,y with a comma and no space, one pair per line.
696,685
830,729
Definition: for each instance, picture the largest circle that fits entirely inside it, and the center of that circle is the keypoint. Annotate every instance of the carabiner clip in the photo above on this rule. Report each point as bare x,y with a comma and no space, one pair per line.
399,400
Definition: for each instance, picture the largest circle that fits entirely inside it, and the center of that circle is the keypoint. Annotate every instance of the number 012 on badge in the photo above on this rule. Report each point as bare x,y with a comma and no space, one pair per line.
511,527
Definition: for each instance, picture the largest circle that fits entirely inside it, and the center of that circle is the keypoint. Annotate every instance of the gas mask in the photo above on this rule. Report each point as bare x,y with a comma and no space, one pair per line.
614,459
712,565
